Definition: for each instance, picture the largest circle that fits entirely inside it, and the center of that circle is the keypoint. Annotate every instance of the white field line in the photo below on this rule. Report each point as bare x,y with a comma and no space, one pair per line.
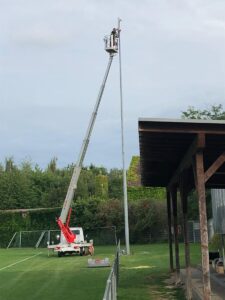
17,262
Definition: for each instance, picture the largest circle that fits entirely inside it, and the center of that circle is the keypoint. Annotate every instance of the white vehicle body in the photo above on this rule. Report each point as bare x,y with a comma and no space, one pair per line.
80,246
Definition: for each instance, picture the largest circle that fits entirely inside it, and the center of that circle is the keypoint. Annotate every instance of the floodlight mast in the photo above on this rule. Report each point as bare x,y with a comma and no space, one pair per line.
111,46
126,218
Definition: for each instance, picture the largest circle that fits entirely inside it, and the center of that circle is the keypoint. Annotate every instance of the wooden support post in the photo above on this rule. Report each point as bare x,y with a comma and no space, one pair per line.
169,230
175,229
184,198
203,224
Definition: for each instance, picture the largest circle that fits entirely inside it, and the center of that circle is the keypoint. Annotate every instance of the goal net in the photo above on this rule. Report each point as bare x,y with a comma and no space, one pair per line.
33,239
41,238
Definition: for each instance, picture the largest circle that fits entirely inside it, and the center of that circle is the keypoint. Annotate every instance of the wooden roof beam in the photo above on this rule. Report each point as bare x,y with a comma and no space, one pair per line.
197,144
215,166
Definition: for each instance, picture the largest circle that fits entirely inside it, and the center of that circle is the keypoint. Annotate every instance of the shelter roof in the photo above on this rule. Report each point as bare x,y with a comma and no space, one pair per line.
164,144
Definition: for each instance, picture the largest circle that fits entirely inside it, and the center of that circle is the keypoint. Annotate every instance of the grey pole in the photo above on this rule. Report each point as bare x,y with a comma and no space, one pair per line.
126,221
20,239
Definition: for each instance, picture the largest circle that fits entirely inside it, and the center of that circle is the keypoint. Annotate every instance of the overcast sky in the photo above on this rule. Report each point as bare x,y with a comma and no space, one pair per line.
52,63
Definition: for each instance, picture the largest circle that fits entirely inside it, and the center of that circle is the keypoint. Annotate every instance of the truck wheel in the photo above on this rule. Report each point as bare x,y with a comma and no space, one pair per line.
60,254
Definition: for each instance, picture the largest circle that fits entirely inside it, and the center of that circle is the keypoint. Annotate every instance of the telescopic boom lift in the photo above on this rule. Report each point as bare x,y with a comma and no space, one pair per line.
111,46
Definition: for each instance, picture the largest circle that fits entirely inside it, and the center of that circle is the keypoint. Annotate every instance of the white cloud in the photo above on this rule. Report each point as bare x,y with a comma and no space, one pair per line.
40,35
52,62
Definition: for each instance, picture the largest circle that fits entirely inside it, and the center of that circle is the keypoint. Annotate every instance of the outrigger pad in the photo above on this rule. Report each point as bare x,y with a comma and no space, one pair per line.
98,263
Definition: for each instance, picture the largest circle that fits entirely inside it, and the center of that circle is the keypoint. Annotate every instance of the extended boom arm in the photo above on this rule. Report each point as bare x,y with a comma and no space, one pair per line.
111,46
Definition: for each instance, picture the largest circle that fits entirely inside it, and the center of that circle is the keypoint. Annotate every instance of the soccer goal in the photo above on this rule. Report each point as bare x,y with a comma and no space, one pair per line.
41,238
33,239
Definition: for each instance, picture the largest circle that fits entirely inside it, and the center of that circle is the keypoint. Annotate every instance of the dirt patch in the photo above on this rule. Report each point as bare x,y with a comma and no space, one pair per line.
162,289
161,295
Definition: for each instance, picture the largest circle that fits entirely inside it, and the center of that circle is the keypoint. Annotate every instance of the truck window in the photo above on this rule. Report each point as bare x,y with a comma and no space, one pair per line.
77,232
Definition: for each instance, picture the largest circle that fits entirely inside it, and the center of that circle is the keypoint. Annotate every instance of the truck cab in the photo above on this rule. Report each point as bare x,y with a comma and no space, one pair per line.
78,231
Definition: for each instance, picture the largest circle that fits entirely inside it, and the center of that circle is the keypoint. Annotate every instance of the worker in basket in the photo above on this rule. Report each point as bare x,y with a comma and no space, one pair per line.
113,38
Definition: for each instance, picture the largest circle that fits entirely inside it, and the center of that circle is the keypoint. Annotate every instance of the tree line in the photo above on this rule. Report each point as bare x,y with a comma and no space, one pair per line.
97,201
25,186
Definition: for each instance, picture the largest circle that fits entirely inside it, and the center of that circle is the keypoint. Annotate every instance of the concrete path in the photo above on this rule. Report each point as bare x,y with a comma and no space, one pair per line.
217,284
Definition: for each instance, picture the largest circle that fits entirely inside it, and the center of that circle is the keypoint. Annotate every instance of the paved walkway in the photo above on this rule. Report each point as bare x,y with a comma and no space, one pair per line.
217,284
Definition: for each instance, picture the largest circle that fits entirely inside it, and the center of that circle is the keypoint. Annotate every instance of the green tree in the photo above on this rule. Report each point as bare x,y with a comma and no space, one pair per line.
9,164
135,190
52,166
215,112
101,186
15,190
26,167
97,170
115,184
133,173
83,185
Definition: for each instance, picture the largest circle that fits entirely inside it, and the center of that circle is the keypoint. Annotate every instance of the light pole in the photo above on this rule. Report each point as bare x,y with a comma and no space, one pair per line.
126,221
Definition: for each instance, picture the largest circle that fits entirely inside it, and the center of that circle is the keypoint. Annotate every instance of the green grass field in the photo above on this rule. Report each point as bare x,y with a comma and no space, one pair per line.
143,274
31,274
43,277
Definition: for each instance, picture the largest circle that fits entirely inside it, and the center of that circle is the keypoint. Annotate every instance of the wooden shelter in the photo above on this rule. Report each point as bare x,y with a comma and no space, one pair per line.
183,155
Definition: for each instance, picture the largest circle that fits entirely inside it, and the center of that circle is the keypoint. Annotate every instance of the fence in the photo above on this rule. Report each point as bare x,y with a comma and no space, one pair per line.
40,238
113,279
193,231
218,208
